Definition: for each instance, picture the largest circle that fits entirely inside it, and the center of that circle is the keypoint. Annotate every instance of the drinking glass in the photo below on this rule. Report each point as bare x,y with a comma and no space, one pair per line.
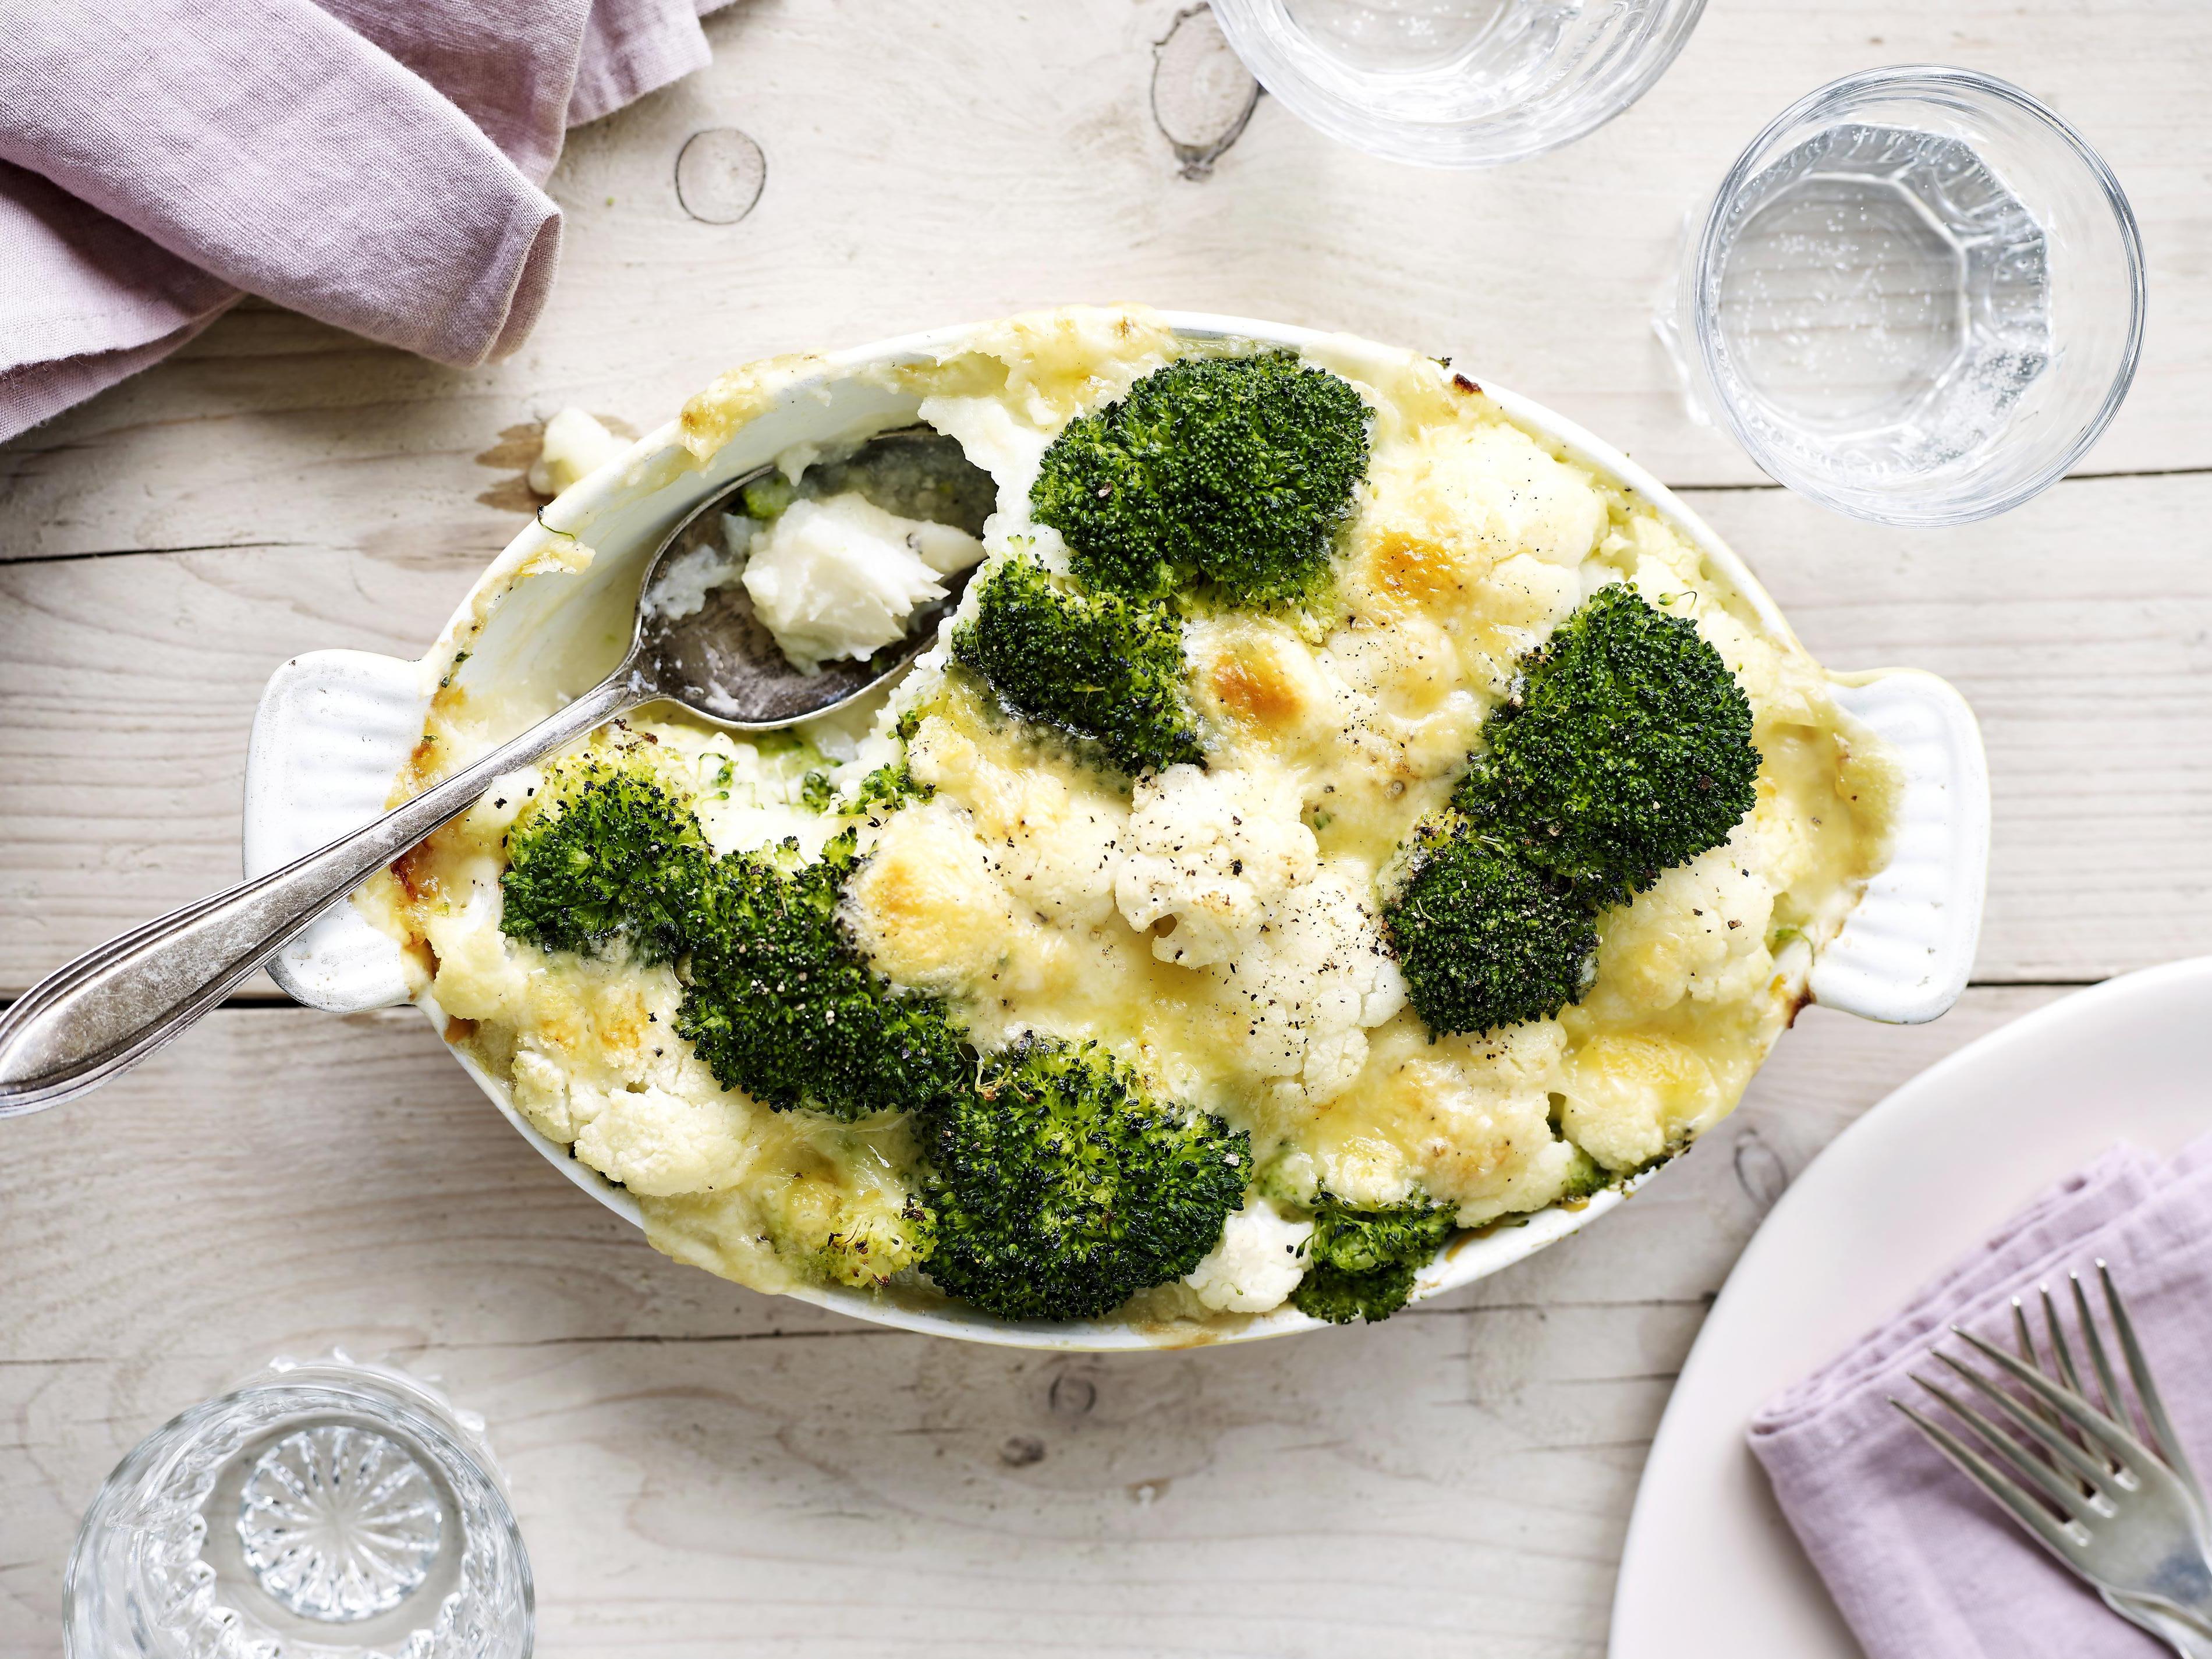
1918,298
1457,83
324,1511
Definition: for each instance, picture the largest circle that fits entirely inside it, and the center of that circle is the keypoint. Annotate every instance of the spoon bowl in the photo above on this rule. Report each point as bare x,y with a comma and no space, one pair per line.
721,662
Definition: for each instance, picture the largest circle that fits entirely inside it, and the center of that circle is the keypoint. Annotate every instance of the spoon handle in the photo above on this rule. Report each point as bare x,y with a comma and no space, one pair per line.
118,1002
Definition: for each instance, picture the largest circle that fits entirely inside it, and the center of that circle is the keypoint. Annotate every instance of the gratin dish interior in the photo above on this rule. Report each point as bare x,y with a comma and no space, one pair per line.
550,616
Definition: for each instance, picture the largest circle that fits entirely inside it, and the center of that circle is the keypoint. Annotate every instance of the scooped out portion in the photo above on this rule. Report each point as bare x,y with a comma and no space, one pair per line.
1332,820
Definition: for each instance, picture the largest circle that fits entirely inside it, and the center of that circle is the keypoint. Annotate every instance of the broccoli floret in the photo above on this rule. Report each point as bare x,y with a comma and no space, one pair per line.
816,792
1100,667
1233,470
1625,750
777,1002
889,787
1485,938
1060,1189
780,1005
1585,1181
606,853
1364,1261
866,1251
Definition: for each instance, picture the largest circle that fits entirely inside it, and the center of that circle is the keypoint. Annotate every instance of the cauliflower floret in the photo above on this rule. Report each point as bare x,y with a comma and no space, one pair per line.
481,975
1396,699
1516,608
1628,1097
1054,841
1258,1263
1212,854
1256,675
541,1093
1699,933
926,909
575,445
1466,1120
1407,671
1454,502
1301,997
686,1137
839,577
656,1143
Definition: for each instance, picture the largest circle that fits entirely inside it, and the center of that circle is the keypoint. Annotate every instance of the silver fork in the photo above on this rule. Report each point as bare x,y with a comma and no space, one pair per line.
2188,1636
2125,1511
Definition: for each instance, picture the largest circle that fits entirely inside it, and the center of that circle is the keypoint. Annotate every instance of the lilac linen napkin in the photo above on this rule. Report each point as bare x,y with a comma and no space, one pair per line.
373,163
1922,1566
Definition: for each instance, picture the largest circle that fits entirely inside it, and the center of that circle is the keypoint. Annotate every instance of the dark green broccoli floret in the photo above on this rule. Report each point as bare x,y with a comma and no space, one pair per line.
889,787
1625,750
1233,470
1060,1189
606,853
1364,1261
1485,938
780,1005
1098,665
816,792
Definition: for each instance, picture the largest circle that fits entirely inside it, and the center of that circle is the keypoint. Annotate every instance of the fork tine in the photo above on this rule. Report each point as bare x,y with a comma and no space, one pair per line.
2161,1426
2064,1494
2060,1446
2025,1510
2115,1437
2115,1401
2024,1339
2066,1374
2062,1357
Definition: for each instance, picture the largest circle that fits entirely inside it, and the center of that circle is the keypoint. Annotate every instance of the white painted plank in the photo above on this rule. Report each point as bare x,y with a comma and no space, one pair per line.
927,164
2077,625
700,1470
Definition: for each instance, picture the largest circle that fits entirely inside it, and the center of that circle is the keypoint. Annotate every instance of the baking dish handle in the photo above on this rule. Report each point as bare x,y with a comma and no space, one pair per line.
1906,951
333,729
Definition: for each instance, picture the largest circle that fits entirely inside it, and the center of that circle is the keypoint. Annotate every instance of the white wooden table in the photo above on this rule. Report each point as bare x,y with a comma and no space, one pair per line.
700,1470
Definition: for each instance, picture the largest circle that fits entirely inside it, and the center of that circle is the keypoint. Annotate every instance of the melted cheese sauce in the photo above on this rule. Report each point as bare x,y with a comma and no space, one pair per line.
1216,928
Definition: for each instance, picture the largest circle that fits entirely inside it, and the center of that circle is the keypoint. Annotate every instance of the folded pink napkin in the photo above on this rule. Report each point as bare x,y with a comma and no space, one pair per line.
1922,1565
373,163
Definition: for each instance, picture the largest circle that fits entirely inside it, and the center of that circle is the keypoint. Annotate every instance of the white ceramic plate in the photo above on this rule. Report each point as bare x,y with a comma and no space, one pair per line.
335,726
1711,1570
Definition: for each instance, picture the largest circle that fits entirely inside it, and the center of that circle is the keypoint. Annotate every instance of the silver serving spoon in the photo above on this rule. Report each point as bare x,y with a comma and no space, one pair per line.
116,1004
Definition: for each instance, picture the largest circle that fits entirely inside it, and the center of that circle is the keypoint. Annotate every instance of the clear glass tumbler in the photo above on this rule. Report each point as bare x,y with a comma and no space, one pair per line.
1457,83
325,1510
1918,298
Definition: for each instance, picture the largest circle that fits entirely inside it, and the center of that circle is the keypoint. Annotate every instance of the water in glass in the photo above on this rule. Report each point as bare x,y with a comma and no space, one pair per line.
1884,302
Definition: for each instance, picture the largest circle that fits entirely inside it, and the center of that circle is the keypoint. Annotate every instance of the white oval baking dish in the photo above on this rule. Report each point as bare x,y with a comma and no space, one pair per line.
335,726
